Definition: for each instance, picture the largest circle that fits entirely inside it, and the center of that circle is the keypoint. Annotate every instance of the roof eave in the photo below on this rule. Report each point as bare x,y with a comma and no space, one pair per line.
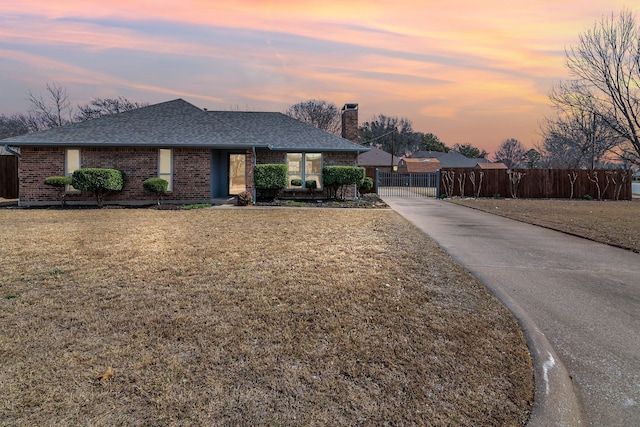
141,145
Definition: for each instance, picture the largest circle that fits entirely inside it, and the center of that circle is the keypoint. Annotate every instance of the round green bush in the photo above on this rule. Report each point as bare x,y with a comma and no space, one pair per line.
156,185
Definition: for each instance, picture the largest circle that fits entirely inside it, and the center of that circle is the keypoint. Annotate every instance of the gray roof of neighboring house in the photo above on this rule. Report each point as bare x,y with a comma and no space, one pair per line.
427,155
376,157
178,123
452,159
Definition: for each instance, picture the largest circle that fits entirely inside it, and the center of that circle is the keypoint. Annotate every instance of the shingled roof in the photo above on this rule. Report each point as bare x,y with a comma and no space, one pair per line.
377,157
178,123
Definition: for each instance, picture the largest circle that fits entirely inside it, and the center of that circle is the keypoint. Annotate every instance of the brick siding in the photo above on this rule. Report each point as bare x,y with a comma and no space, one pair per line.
191,173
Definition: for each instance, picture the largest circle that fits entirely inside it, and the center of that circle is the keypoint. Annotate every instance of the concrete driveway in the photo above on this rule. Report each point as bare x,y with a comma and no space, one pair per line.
578,303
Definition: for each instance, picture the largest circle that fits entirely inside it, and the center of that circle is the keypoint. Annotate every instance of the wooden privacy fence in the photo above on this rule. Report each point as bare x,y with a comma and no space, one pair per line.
9,177
613,184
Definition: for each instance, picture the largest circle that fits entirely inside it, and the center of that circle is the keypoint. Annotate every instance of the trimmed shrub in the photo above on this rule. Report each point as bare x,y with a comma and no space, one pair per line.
98,181
158,186
335,178
366,186
270,178
61,183
58,181
309,184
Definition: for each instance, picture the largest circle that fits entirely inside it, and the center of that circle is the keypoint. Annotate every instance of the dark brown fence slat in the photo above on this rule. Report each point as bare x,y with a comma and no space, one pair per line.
8,177
613,184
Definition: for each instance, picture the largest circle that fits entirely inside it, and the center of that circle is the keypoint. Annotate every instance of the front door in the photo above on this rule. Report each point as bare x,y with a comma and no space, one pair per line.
237,177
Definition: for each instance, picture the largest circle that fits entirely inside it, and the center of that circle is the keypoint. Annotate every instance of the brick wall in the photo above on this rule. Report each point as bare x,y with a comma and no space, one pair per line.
36,164
191,173
249,160
268,157
339,159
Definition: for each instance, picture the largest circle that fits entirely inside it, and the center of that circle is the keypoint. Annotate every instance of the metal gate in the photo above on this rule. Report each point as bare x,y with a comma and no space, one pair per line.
393,184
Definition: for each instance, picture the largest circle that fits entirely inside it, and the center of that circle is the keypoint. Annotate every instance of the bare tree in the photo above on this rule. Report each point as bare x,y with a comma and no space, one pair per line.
99,107
51,111
514,181
13,126
606,67
578,137
512,153
319,113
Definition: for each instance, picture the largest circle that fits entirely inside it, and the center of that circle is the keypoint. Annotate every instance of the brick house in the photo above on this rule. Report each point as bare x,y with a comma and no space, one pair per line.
203,154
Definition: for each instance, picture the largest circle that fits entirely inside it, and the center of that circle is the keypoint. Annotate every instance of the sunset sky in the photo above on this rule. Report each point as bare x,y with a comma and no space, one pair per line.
468,71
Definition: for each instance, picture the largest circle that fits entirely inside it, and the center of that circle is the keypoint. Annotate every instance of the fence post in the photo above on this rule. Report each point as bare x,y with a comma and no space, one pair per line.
377,183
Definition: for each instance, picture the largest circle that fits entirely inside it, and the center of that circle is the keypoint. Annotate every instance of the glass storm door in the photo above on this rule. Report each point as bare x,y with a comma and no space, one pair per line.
237,177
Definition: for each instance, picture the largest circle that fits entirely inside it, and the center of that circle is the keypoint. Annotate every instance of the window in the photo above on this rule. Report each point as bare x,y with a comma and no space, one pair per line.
165,166
306,167
71,163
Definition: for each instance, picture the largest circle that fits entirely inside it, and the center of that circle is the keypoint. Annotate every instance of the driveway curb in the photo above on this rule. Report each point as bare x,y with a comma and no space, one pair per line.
555,400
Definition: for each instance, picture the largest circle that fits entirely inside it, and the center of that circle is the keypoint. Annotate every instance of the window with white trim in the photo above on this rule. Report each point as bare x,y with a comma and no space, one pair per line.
165,166
305,167
71,164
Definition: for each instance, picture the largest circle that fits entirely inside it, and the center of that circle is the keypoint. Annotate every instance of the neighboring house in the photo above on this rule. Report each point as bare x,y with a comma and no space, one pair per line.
450,160
410,165
427,154
203,154
379,159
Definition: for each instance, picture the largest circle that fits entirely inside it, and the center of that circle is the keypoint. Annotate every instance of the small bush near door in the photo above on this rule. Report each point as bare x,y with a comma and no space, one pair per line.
270,178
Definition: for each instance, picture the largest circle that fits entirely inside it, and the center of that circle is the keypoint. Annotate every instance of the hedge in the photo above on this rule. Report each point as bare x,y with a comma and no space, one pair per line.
342,175
271,176
337,177
309,184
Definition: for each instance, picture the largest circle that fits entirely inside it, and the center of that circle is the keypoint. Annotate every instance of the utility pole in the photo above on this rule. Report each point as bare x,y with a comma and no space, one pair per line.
393,148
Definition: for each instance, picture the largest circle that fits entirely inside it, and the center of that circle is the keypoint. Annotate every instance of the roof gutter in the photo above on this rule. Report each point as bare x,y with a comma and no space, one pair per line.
11,150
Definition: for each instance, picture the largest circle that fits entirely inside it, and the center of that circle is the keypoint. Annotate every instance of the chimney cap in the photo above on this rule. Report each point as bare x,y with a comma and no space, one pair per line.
350,106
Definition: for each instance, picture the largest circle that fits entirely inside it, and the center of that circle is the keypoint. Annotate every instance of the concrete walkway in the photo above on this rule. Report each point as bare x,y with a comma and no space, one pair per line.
578,303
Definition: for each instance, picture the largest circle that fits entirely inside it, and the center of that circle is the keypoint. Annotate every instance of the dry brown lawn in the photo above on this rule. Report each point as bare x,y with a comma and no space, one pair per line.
615,223
247,317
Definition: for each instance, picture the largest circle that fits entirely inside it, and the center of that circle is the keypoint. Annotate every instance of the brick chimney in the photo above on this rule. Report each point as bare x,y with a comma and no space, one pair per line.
350,122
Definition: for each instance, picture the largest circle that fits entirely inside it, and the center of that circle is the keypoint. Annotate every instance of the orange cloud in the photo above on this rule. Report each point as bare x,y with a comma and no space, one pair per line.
455,67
